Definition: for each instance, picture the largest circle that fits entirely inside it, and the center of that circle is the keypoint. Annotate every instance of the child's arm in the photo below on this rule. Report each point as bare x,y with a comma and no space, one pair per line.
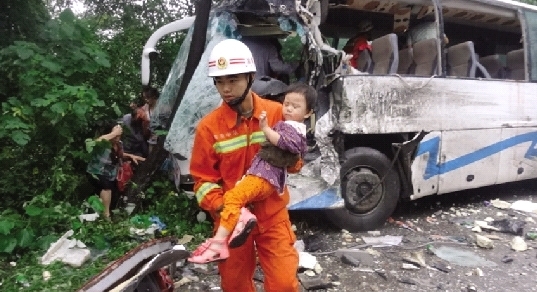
271,135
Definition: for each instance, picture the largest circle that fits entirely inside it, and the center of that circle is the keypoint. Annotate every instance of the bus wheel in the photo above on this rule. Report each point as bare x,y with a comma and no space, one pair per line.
367,173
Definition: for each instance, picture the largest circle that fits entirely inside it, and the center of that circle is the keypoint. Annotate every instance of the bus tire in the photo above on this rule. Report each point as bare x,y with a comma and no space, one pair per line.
363,169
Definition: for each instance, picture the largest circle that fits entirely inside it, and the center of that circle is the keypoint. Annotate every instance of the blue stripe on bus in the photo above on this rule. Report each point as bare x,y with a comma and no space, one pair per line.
433,147
322,200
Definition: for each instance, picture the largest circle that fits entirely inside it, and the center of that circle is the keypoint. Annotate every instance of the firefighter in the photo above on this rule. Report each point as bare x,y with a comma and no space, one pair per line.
225,143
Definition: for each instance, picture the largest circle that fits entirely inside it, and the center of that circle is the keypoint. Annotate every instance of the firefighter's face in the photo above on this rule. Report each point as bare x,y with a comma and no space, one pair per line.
231,86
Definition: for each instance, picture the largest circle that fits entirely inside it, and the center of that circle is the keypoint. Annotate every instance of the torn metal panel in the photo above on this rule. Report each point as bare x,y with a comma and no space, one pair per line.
395,104
127,265
259,7
324,128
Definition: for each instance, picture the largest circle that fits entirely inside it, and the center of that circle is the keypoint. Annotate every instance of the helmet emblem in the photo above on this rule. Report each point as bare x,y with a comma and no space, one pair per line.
221,63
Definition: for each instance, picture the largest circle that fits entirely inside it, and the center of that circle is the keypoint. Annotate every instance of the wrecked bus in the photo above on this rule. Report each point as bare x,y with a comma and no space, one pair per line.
444,100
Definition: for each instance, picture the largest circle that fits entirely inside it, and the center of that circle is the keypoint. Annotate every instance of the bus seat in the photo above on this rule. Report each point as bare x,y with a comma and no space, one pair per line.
406,63
425,56
385,54
495,65
461,60
515,65
364,61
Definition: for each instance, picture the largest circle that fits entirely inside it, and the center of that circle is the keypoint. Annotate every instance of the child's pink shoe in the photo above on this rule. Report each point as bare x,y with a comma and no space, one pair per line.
247,222
212,250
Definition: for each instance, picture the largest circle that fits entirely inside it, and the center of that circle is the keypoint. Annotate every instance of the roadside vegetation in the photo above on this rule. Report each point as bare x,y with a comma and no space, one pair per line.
61,76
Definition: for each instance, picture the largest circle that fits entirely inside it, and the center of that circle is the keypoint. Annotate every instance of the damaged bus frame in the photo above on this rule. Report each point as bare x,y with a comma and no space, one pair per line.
445,100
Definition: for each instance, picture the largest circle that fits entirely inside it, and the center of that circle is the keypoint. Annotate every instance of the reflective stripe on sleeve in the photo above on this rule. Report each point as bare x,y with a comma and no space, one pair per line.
230,145
205,189
257,137
238,142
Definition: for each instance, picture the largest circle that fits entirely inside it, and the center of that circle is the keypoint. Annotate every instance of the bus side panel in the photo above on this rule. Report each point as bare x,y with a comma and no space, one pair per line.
519,160
469,159
424,166
372,104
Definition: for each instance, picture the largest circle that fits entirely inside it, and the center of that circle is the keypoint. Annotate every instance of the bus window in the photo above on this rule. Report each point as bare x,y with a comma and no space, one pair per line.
484,41
531,24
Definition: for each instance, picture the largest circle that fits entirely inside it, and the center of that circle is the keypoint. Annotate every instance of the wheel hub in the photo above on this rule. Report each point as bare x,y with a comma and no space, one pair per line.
362,191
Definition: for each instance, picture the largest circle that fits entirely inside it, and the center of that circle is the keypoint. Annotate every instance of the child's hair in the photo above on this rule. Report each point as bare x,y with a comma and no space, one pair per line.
151,92
307,91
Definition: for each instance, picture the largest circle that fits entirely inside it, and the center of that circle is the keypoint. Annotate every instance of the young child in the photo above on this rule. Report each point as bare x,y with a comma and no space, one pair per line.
286,144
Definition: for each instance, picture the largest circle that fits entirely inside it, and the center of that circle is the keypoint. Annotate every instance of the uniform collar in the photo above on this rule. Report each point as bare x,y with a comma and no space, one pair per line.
232,118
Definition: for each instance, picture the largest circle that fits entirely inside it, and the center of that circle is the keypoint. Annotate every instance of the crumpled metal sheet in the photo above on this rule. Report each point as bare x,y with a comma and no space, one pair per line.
324,127
259,7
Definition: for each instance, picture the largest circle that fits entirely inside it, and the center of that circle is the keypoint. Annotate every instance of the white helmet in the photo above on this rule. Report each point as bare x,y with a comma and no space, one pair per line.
230,57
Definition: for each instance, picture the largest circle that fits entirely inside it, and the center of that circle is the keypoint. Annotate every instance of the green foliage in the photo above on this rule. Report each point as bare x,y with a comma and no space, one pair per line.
60,80
52,105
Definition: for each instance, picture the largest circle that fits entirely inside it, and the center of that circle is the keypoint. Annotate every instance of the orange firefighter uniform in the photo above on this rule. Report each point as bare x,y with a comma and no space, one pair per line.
224,146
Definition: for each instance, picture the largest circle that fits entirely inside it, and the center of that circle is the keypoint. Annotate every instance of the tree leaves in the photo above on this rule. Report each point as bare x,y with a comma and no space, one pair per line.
32,210
6,226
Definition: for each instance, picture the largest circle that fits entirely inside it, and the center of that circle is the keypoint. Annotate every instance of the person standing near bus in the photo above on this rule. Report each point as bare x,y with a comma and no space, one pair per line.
360,42
225,143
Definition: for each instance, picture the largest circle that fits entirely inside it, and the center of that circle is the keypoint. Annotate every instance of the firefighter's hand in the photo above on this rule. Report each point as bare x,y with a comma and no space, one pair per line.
263,120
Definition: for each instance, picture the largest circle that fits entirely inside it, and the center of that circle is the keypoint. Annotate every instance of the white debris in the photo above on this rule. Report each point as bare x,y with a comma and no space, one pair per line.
309,273
179,246
479,272
346,236
489,219
410,267
66,250
483,241
130,208
500,204
529,220
518,244
46,275
381,241
476,229
299,245
485,225
88,217
525,206
293,227
306,260
374,233
13,264
318,269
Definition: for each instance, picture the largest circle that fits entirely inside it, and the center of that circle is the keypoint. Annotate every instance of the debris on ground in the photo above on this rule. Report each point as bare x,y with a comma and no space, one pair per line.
483,241
515,227
524,206
306,260
500,204
518,244
69,251
461,257
383,241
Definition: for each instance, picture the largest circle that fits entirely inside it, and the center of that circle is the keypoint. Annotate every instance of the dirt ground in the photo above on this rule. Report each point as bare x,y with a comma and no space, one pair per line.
431,230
